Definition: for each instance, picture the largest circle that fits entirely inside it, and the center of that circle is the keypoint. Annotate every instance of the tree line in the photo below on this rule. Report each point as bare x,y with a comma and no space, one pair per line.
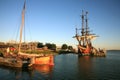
53,46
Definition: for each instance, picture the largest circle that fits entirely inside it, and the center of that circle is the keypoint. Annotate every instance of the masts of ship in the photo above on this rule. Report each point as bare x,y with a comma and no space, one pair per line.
83,29
84,39
86,20
87,32
21,27
77,37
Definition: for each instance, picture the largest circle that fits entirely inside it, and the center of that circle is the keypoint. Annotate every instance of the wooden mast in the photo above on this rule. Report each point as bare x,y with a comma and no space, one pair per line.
83,29
21,27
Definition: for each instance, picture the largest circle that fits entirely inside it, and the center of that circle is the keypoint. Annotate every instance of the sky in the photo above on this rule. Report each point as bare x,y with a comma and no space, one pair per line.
54,21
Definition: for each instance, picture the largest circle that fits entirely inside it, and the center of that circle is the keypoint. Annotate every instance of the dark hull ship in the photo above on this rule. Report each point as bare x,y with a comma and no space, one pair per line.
84,39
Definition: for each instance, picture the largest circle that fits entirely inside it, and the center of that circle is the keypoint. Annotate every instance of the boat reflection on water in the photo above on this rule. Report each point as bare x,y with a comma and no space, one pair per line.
42,72
85,63
45,69
85,67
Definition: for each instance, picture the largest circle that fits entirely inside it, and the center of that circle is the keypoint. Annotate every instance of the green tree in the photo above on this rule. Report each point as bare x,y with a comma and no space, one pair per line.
53,46
64,46
48,45
70,47
40,45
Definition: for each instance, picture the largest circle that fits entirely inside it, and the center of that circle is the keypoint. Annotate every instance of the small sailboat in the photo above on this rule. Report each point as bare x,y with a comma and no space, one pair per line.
84,39
34,58
23,59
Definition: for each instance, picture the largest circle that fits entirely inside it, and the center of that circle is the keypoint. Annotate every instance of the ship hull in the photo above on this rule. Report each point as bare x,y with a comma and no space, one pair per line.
44,60
10,62
91,52
36,59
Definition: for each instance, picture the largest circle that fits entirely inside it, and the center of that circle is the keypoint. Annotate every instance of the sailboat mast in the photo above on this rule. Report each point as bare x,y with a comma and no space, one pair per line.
21,27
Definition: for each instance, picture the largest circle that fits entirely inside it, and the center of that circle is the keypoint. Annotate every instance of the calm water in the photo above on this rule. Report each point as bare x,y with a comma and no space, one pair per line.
70,67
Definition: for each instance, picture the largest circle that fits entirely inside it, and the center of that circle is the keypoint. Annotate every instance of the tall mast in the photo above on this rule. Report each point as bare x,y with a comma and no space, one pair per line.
82,32
22,25
86,20
87,32
83,29
77,36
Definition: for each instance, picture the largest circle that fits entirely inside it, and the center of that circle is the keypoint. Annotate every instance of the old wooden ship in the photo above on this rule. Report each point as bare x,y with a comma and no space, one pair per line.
8,59
22,59
84,39
34,58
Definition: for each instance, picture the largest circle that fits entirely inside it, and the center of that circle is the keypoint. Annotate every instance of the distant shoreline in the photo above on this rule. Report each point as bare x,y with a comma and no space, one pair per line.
113,50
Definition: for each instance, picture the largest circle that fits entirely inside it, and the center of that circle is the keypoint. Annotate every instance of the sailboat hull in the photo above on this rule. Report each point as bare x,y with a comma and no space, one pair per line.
44,60
10,62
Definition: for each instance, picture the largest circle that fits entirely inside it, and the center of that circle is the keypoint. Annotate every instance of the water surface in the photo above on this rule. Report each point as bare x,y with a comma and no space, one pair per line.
70,67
